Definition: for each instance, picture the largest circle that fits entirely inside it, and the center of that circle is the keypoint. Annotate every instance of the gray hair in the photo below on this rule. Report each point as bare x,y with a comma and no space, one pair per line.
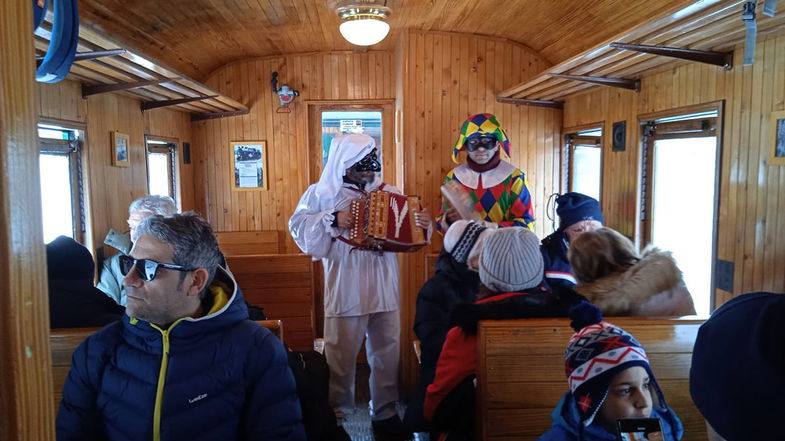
155,204
191,237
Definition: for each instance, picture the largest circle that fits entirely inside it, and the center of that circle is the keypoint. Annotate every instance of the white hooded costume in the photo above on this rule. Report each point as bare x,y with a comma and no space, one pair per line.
361,296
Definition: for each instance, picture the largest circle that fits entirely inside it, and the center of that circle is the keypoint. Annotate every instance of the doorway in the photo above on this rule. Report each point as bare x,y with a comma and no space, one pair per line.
680,169
327,119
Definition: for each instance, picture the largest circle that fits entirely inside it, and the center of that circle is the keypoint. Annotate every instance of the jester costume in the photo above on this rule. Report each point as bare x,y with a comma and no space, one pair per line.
498,189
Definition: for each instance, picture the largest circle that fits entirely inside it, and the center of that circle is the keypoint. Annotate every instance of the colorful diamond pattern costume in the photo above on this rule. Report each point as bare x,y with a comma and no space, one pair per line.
500,195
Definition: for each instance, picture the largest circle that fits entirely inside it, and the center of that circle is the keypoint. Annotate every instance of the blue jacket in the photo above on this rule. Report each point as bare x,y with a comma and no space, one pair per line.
567,425
218,377
558,271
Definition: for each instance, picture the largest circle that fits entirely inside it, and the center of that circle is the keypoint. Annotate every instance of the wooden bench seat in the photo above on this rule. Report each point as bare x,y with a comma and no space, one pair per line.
520,372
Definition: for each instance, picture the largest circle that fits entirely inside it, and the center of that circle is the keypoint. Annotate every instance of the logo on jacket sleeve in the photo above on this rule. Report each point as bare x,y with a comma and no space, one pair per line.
197,398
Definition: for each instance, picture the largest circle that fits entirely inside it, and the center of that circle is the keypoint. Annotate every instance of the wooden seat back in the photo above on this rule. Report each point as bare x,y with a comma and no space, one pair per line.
243,243
520,372
64,342
283,285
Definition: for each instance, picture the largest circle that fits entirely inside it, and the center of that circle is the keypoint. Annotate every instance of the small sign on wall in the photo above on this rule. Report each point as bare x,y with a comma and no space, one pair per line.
351,126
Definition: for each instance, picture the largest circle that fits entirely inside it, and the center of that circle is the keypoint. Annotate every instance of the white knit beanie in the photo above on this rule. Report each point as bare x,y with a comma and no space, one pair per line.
511,260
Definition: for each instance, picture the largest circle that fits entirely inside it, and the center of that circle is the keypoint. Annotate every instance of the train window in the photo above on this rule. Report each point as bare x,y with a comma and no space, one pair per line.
161,167
584,162
342,122
62,192
680,190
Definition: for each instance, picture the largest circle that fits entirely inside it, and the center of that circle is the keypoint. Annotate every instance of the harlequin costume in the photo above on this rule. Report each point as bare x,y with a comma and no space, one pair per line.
498,189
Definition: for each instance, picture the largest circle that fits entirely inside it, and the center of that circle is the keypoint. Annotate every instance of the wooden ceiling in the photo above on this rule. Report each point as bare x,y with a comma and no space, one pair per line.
197,36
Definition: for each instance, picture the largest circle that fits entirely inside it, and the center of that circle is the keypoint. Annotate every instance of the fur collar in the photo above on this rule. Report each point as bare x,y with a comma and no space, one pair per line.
621,293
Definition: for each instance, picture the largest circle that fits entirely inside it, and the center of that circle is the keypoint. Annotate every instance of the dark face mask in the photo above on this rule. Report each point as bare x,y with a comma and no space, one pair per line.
369,163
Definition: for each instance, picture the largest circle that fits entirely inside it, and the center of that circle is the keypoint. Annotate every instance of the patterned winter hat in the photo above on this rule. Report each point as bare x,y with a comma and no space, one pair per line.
597,352
482,124
461,238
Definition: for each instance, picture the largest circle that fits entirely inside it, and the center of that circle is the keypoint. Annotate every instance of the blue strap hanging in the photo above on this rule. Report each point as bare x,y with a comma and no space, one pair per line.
62,46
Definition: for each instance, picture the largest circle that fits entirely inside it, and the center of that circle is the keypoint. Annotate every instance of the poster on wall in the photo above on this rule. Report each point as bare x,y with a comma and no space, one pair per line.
777,155
249,165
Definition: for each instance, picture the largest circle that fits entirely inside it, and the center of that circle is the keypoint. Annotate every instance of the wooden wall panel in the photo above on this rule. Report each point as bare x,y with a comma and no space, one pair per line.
110,189
752,192
176,125
445,79
25,362
318,77
62,101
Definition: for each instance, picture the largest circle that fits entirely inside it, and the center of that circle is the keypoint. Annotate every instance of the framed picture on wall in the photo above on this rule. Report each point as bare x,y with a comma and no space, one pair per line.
121,155
777,156
249,165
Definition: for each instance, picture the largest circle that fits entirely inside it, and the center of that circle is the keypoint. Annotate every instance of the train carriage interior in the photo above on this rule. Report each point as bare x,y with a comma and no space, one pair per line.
670,114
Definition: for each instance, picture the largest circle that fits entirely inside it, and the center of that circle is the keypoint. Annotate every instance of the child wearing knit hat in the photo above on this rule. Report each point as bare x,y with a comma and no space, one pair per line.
456,281
609,378
510,267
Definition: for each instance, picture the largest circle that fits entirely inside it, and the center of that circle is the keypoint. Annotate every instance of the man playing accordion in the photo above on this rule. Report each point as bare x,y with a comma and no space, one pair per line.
361,296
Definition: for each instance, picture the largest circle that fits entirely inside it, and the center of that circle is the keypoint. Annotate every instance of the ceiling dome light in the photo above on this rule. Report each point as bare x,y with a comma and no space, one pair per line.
364,25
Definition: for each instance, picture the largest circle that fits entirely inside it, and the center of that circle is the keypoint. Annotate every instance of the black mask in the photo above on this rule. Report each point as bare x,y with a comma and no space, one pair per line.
369,163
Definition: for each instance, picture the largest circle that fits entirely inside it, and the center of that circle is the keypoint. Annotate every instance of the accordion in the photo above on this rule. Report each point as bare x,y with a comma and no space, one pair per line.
384,221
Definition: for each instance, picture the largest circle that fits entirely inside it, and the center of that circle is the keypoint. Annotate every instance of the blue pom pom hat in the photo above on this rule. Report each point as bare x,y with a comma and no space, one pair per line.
596,353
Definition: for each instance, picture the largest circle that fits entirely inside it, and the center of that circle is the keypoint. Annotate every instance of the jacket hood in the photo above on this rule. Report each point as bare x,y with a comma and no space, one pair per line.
119,241
455,270
619,293
566,417
228,308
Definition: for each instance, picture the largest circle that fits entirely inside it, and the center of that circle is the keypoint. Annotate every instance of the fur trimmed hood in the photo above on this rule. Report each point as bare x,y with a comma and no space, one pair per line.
651,287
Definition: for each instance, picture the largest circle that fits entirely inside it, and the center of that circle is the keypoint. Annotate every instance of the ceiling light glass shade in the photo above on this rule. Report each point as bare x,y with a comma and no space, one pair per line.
364,24
364,31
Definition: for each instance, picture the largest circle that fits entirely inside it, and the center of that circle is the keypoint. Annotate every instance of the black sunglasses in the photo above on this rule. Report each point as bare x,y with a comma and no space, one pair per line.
486,142
146,268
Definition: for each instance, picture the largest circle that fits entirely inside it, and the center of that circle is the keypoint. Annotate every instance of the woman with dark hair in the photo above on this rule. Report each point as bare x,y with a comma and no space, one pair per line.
614,276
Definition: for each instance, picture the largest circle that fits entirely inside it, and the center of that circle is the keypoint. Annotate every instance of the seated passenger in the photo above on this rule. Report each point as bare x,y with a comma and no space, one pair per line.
456,281
737,378
510,272
609,378
185,363
578,214
73,300
110,279
613,276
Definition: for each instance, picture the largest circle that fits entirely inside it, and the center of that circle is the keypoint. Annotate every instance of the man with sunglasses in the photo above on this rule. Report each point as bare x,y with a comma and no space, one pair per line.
497,189
185,363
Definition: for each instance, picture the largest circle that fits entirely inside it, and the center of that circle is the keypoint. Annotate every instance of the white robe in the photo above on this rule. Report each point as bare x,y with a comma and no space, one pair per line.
355,282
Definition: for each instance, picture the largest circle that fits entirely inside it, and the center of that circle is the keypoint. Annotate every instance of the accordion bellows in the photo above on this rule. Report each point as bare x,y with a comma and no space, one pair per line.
384,221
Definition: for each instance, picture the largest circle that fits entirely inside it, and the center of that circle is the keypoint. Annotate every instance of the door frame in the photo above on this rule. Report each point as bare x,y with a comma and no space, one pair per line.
644,200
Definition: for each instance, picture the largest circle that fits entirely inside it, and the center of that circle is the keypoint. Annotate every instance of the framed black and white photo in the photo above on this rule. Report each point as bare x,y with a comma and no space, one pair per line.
120,153
249,165
777,156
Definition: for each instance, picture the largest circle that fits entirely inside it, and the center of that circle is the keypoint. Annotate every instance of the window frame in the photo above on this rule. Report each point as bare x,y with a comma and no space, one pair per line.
575,137
170,148
73,149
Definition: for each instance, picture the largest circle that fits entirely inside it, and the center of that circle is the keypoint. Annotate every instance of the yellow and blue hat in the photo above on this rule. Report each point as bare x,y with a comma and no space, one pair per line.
482,124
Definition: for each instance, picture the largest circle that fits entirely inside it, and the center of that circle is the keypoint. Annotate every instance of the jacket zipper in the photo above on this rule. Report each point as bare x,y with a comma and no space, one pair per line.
159,395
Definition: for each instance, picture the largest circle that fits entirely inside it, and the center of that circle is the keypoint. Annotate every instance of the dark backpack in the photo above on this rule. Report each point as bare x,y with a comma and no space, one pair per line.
312,376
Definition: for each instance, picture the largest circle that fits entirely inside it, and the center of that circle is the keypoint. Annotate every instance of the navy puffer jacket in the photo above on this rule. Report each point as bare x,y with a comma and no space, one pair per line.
224,378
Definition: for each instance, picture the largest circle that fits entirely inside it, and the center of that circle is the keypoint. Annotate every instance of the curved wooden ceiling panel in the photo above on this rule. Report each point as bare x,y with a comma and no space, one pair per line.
197,36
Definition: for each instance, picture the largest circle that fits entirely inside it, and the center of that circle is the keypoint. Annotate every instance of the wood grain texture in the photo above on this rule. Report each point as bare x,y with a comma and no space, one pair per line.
446,78
751,205
521,371
25,362
175,125
320,77
207,34
283,286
